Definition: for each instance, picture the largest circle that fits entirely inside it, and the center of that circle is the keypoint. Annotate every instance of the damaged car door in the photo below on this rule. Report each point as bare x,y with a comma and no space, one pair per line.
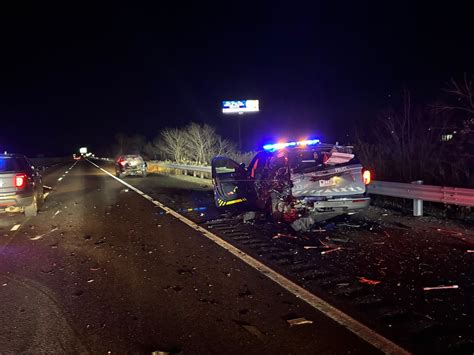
230,180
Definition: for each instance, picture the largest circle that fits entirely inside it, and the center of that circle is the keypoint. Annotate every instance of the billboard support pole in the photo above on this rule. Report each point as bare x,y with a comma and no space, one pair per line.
240,135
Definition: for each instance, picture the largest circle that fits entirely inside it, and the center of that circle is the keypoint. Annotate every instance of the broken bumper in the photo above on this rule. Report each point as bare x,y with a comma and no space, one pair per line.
13,201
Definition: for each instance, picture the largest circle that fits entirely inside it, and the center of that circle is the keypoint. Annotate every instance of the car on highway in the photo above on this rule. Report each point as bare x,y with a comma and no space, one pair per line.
132,164
300,182
21,185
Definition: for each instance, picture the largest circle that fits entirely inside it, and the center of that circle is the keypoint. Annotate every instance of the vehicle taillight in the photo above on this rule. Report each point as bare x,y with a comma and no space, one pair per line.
366,177
122,162
20,180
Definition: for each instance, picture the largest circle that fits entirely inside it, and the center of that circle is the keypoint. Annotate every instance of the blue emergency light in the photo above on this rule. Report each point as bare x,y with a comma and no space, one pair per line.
276,146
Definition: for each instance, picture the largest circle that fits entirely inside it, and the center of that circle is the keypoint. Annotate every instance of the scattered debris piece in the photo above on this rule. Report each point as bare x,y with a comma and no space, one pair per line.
57,212
15,227
330,250
319,230
369,281
281,235
38,237
299,321
311,247
249,216
90,281
350,225
442,287
303,224
253,330
47,187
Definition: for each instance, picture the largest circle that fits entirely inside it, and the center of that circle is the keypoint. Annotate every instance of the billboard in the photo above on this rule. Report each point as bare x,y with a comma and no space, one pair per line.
240,106
83,150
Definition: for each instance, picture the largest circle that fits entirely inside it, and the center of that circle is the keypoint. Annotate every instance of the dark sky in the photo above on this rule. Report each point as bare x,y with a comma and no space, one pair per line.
76,75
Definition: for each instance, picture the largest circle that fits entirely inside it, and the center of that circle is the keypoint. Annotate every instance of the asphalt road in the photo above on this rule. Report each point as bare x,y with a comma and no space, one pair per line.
375,266
101,269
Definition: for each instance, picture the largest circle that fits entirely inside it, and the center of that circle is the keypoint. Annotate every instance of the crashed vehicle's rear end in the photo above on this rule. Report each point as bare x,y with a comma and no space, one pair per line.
298,183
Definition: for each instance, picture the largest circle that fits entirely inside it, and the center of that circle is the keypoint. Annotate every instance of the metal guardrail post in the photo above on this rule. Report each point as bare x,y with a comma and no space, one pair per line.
417,203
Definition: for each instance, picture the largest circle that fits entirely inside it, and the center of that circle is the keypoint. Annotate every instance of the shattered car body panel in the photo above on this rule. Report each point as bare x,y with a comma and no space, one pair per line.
301,185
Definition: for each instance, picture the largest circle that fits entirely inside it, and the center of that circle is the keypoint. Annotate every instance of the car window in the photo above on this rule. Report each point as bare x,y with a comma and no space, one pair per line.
225,165
8,164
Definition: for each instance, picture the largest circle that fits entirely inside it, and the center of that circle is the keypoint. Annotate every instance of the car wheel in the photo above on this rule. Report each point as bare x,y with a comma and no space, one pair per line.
32,210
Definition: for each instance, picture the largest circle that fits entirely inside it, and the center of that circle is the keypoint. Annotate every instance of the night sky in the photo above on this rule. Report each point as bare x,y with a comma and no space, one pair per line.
74,76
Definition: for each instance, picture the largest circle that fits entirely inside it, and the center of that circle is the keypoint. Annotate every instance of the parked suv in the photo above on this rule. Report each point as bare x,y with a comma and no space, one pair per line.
21,185
297,182
127,165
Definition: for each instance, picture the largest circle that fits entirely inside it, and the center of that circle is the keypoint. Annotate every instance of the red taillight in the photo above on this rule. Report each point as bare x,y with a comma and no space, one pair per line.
366,176
122,162
20,180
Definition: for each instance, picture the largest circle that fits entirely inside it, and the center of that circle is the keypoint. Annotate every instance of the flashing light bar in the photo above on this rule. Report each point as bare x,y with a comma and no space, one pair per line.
276,146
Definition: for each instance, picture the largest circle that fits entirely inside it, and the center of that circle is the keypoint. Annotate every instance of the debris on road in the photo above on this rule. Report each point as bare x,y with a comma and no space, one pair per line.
90,281
442,287
311,247
281,235
330,250
299,321
303,224
47,187
57,212
253,330
249,216
368,281
350,225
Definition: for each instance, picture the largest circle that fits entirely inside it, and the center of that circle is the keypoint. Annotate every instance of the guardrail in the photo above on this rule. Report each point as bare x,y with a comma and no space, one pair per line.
415,191
419,193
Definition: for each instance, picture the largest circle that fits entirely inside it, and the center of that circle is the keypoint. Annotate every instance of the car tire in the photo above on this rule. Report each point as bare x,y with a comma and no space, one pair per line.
32,210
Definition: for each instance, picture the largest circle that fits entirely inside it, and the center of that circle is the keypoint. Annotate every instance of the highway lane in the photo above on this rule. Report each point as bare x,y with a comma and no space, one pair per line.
102,269
382,261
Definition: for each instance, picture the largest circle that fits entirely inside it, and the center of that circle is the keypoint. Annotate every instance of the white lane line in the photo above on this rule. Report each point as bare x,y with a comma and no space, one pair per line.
359,329
15,227
60,179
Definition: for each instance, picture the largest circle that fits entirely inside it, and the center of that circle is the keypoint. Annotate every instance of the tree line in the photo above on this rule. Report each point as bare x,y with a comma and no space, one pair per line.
192,144
431,142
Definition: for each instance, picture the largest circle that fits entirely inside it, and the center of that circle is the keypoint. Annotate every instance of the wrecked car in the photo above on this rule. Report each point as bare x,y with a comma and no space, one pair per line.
300,183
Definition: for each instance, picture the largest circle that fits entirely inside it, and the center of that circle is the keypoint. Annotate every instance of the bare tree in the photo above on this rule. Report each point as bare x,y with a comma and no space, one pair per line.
201,141
172,142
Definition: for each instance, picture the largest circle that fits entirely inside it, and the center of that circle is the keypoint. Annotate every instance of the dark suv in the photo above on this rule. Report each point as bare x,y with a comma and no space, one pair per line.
21,185
127,165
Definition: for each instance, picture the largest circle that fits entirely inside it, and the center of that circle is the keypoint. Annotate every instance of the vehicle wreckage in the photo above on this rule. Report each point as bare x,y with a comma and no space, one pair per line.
300,183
